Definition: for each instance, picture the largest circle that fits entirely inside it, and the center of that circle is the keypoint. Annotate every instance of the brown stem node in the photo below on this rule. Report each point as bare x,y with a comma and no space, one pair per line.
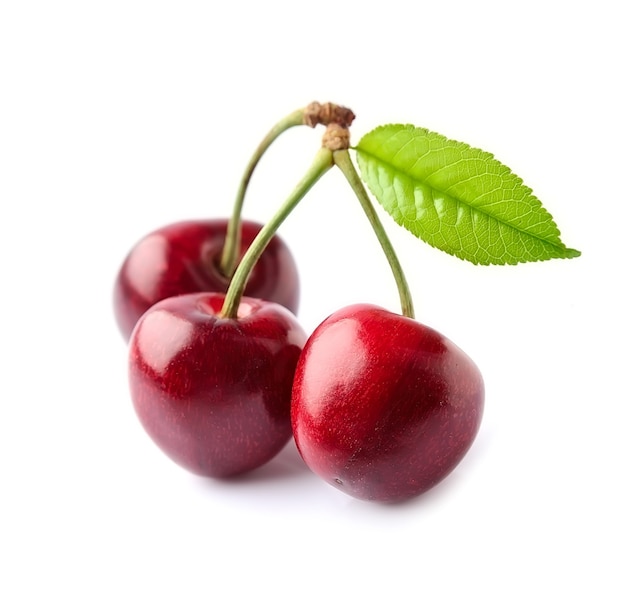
326,114
336,137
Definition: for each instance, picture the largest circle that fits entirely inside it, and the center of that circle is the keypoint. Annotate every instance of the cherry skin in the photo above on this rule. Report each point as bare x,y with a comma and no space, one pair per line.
383,407
183,258
213,392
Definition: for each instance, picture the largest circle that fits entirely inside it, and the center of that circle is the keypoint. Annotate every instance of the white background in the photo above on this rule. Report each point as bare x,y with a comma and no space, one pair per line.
118,117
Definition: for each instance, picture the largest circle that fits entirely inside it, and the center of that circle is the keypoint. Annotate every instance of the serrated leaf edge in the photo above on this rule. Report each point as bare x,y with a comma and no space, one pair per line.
536,202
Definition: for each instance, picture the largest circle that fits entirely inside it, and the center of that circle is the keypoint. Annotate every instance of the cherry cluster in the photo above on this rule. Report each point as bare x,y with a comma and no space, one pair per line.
222,375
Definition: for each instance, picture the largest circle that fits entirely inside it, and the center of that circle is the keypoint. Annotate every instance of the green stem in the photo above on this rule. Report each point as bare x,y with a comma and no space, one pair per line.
344,162
232,243
323,162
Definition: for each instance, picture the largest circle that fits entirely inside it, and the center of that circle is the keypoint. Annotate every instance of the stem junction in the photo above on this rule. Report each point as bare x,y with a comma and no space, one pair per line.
334,151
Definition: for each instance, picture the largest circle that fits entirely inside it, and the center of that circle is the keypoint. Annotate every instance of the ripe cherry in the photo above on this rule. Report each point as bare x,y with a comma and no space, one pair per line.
383,407
184,258
214,392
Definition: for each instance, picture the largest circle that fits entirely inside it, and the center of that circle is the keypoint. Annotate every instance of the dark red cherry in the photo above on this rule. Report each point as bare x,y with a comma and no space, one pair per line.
383,407
184,258
213,392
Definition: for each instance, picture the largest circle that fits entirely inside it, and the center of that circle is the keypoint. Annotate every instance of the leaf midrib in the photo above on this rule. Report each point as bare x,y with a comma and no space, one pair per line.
559,244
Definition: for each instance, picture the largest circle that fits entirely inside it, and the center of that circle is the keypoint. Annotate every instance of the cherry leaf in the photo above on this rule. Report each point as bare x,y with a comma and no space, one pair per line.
457,198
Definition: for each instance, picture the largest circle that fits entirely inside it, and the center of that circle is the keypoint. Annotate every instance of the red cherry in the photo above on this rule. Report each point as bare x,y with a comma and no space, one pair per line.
213,392
183,258
383,407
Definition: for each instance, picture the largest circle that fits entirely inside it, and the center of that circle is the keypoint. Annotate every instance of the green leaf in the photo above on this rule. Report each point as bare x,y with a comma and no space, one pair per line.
457,198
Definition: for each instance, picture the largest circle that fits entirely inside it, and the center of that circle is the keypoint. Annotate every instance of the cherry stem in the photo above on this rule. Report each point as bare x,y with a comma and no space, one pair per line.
232,242
322,162
342,159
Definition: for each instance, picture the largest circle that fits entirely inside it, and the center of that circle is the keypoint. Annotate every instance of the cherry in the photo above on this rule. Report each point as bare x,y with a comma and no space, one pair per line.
213,392
383,407
184,258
